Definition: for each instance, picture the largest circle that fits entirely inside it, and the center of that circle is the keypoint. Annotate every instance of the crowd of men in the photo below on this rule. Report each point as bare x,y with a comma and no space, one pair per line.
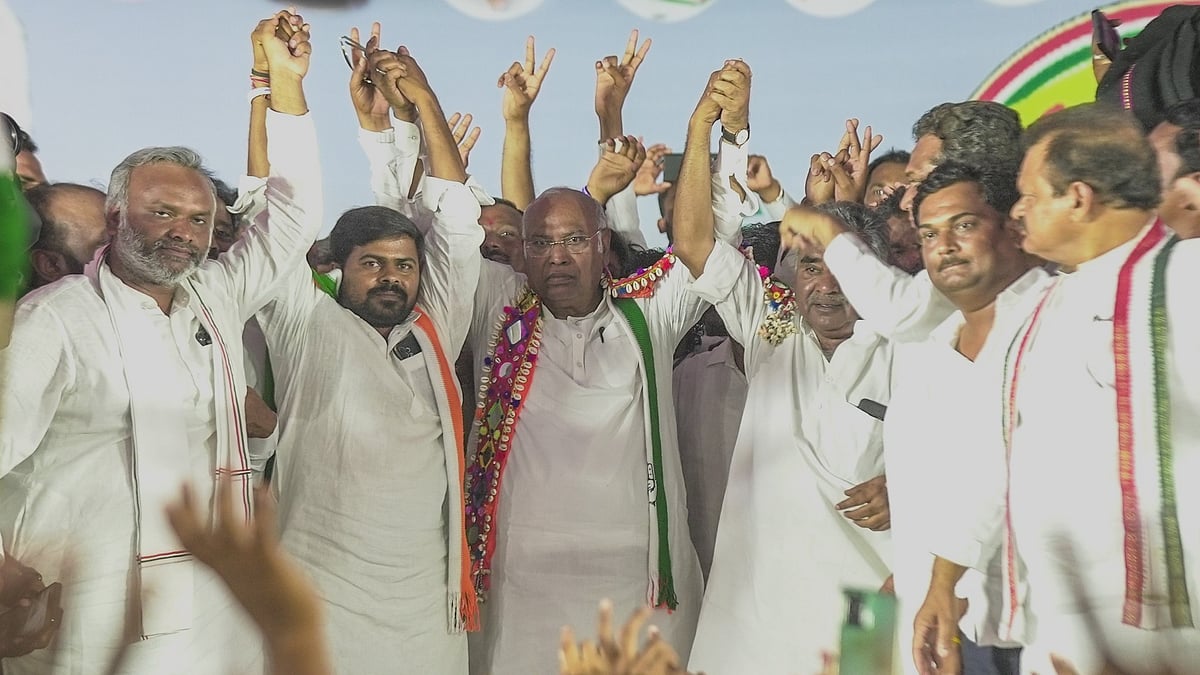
960,381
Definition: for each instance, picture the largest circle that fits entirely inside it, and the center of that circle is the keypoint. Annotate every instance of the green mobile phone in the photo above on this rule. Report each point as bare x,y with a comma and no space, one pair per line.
868,633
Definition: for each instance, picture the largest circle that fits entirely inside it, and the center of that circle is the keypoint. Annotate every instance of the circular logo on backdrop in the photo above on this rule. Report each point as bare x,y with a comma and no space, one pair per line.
666,10
495,10
829,8
1054,70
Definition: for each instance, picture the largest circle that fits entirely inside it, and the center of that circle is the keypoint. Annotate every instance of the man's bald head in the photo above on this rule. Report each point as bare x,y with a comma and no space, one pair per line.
73,227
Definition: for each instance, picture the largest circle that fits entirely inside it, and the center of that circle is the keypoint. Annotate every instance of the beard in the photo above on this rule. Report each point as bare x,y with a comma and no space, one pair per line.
380,308
148,261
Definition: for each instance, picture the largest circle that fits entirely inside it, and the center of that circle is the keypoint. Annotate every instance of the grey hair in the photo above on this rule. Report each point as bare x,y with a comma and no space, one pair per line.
868,224
975,133
118,183
592,208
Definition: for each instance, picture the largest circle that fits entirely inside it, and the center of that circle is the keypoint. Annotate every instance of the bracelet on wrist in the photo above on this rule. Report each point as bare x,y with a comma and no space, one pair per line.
260,73
256,92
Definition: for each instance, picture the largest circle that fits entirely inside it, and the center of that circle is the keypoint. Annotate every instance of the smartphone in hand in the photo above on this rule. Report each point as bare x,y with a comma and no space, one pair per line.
40,615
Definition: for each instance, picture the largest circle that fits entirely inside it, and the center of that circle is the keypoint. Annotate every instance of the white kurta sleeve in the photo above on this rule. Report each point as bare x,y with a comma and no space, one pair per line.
252,198
276,243
734,287
392,156
895,304
622,213
39,367
728,208
777,209
452,257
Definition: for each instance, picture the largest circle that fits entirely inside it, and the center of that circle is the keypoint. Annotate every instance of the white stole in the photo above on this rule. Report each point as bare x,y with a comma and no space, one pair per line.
159,459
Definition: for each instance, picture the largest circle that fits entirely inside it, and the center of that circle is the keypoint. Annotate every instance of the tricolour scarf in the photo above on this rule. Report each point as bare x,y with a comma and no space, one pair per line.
1156,594
160,457
508,375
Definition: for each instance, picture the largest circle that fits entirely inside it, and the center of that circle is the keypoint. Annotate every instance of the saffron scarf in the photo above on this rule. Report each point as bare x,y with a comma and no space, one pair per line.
1156,594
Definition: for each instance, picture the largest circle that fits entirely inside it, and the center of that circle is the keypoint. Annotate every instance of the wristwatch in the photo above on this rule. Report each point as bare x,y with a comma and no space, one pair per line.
739,139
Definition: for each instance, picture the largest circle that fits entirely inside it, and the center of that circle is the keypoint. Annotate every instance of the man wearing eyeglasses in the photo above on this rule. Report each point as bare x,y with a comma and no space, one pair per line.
574,488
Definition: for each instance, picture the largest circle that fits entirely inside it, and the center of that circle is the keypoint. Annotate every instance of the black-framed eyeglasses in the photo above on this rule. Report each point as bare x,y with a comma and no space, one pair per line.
349,45
540,248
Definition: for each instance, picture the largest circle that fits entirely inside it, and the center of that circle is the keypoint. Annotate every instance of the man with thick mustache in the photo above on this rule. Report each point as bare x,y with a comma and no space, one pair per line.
127,381
809,448
369,464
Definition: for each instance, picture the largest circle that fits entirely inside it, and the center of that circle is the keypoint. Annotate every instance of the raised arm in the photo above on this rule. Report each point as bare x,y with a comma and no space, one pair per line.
521,84
257,163
280,238
614,79
726,98
894,303
452,257
393,149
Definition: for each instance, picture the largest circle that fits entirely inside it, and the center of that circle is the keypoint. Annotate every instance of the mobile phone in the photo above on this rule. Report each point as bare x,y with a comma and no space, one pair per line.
1104,33
672,162
868,644
44,610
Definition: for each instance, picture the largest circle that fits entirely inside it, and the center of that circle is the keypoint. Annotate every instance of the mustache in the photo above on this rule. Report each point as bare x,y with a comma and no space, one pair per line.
186,248
947,262
389,288
831,299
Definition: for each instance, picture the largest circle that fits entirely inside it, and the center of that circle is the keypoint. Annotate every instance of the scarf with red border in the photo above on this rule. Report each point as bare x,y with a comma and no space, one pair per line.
1156,594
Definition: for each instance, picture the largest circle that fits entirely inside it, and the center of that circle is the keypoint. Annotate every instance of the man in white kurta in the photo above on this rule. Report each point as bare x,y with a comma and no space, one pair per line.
784,552
361,466
1089,352
573,508
66,500
972,255
1086,347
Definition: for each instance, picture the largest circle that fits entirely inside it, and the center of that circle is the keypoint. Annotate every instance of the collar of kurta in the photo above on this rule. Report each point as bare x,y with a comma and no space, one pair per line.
1156,593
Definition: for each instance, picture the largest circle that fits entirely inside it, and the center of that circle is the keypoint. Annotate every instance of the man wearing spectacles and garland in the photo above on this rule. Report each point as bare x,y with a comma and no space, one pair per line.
574,488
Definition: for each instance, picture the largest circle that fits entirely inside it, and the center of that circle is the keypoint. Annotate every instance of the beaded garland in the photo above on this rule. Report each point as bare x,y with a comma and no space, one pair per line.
508,375
779,323
641,284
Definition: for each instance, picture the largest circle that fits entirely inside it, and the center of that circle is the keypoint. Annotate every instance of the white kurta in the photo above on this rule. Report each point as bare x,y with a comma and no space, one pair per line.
941,398
361,467
710,394
1065,492
66,496
573,517
783,552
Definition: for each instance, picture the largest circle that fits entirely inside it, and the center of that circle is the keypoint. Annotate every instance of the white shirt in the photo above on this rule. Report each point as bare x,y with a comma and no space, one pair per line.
361,466
783,552
574,519
1065,493
940,400
710,393
66,497
901,306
